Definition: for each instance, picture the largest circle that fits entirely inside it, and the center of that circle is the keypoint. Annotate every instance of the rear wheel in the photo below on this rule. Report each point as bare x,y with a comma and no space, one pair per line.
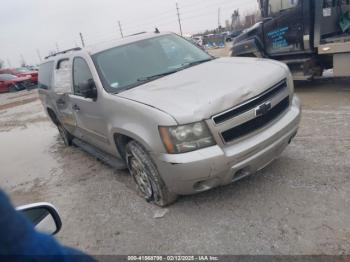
65,135
13,88
146,176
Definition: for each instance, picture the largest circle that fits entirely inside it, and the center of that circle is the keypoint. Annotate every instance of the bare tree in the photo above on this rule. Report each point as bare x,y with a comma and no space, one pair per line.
2,63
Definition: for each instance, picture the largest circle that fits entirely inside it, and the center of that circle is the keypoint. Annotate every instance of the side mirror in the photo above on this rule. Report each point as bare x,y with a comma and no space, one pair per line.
88,89
44,217
266,19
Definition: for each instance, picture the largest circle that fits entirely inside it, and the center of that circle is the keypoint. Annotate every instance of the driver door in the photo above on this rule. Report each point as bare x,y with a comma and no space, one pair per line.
91,124
284,32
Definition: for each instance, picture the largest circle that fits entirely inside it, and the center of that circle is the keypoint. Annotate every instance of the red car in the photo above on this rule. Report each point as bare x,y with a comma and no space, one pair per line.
12,83
21,72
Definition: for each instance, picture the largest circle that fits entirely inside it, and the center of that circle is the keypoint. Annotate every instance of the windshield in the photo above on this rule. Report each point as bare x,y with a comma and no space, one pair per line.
127,66
276,6
22,69
7,77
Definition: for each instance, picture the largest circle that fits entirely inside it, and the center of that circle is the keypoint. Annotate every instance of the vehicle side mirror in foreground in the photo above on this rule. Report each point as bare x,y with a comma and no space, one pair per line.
44,217
88,89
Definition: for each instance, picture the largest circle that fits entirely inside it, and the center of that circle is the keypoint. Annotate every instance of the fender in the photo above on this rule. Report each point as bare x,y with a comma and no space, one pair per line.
248,47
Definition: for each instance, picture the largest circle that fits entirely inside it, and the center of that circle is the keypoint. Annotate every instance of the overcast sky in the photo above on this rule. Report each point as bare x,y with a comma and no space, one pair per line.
30,25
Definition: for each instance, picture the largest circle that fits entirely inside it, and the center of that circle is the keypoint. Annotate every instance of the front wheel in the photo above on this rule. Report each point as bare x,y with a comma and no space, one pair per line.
146,176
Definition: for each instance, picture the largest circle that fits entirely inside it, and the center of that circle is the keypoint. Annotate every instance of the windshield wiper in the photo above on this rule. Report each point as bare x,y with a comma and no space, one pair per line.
144,79
152,77
185,65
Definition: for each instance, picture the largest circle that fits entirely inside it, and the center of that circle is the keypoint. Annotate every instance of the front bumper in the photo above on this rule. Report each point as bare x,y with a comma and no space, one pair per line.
204,169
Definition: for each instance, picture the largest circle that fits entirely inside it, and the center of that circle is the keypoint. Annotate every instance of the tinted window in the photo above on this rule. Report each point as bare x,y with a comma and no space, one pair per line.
63,80
45,75
81,74
276,6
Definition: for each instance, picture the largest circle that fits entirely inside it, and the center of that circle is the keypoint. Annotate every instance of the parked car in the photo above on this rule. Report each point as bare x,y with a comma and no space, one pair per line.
233,35
12,83
195,42
182,121
214,41
32,68
22,72
198,40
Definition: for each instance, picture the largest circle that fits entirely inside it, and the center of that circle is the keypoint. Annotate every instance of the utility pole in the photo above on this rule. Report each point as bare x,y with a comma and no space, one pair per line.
82,39
219,23
178,17
57,47
120,29
39,56
23,62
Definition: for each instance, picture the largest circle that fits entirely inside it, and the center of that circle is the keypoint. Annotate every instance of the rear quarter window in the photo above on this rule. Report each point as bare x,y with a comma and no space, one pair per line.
63,77
45,75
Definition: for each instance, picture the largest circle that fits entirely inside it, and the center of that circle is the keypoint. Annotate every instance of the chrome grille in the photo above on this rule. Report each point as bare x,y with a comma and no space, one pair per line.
256,123
251,104
251,115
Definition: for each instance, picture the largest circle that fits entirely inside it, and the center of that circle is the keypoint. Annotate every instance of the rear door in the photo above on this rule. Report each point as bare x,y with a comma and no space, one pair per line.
285,31
91,124
53,95
62,88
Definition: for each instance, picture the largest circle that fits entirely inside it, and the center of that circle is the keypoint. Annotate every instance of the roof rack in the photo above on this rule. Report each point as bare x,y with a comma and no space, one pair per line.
63,52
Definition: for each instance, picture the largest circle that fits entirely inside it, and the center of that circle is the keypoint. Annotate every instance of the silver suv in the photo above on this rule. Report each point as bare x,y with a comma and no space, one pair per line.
181,121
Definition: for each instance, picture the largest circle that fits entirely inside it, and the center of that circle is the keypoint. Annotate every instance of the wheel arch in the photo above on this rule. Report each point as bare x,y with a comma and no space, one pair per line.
122,138
251,47
52,115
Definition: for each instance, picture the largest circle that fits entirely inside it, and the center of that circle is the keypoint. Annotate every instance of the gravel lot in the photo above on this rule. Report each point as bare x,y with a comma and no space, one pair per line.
297,205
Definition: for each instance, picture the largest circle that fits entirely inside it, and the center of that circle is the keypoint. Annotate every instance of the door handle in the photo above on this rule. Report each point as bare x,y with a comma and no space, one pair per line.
60,102
76,108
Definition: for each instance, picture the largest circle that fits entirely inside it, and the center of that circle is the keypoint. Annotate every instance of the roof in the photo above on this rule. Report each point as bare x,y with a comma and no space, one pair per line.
96,48
93,49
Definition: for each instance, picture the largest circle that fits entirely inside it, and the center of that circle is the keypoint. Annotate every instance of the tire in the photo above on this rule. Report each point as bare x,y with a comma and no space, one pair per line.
13,88
65,135
149,183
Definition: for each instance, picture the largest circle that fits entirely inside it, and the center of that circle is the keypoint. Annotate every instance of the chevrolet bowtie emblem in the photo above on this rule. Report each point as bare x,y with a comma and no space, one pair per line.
263,109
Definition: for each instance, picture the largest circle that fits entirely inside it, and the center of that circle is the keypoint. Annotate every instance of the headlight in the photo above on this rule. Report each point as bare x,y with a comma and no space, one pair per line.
186,138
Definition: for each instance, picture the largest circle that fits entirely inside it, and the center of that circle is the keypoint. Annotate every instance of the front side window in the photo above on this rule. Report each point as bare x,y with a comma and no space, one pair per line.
81,74
276,6
128,66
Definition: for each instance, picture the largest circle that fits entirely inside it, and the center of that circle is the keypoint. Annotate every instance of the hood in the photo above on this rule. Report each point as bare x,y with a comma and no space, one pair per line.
199,92
249,33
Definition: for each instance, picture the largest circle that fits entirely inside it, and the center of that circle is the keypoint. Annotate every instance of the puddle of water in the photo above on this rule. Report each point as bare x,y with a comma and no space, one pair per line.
25,154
